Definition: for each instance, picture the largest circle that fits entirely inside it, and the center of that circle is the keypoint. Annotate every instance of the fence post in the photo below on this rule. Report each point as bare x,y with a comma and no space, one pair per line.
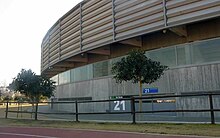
77,117
6,110
36,110
133,110
211,109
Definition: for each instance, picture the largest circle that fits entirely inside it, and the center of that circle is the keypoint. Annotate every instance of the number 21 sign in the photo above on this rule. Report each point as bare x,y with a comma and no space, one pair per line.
119,105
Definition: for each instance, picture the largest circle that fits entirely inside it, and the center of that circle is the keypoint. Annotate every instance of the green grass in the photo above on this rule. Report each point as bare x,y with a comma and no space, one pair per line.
177,129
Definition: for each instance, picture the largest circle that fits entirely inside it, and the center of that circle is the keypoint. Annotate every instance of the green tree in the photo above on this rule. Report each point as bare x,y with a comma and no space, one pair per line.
7,98
138,68
1,96
32,86
20,97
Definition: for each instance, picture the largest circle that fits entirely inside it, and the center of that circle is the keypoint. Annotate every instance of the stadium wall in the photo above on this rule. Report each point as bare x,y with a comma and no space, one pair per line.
185,35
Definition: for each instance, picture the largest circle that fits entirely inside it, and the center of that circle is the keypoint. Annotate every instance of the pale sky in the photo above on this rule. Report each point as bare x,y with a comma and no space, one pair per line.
23,24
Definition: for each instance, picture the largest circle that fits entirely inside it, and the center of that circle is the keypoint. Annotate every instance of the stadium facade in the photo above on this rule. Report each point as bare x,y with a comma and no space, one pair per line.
80,48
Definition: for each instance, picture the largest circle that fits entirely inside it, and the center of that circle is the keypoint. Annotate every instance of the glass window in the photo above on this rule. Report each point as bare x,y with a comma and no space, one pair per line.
81,73
205,51
64,77
111,62
166,56
183,55
101,69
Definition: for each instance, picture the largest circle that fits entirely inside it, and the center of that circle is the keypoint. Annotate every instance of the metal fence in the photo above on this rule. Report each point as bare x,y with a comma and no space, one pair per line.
154,107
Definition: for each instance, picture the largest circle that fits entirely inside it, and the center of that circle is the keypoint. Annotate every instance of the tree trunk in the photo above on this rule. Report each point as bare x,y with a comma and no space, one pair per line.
21,109
32,110
140,95
18,109
32,103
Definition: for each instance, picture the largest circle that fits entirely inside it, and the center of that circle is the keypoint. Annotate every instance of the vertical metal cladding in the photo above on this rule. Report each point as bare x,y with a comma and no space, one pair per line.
135,17
186,11
94,23
45,53
70,33
54,45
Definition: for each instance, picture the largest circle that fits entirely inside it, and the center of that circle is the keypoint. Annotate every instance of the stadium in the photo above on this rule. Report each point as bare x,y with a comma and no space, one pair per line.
78,51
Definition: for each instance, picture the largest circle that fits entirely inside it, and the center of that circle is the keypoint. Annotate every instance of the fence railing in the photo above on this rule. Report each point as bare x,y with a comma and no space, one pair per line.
132,110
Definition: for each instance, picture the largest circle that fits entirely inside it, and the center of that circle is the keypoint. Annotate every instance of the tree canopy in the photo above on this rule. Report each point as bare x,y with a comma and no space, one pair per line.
137,67
33,86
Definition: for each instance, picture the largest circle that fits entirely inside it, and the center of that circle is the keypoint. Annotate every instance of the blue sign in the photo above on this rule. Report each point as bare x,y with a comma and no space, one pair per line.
150,90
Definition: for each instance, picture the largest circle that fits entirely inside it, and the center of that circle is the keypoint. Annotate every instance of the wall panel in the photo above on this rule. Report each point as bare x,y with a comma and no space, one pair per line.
138,17
70,34
97,24
180,12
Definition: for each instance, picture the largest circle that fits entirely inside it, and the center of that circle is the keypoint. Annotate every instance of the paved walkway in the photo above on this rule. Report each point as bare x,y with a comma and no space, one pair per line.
22,132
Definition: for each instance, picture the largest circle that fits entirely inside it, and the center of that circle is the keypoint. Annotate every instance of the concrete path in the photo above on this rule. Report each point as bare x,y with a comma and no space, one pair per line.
22,132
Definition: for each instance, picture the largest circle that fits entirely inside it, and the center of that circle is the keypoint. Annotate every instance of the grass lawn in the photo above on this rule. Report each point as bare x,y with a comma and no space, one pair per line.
179,129
165,128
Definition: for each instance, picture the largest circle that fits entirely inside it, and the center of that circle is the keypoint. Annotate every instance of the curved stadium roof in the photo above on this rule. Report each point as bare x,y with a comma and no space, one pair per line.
92,26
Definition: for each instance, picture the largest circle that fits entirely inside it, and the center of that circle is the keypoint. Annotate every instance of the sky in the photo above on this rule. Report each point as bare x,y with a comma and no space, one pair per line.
23,24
